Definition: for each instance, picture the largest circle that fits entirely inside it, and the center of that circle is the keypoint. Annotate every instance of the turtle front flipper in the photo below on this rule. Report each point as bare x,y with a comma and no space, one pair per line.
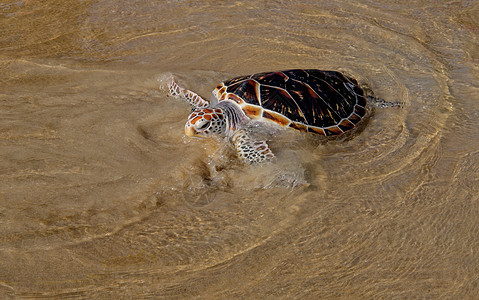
251,151
194,99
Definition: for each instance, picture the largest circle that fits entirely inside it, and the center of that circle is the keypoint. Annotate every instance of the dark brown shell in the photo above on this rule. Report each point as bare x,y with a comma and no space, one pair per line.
323,102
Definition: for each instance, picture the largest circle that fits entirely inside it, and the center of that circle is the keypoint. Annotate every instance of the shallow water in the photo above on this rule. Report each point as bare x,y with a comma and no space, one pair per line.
102,195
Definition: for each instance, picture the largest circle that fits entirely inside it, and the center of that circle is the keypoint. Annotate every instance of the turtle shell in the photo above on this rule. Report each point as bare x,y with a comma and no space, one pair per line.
322,102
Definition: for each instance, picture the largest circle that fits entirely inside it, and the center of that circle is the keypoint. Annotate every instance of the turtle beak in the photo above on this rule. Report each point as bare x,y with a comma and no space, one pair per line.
190,131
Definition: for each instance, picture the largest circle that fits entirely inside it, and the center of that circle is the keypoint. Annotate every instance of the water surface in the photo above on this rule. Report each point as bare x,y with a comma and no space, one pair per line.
102,195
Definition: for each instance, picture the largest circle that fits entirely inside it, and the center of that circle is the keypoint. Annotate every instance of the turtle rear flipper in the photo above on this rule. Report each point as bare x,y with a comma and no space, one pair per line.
381,103
251,151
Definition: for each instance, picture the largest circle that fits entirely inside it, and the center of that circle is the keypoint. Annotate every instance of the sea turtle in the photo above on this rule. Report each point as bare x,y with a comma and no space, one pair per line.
321,102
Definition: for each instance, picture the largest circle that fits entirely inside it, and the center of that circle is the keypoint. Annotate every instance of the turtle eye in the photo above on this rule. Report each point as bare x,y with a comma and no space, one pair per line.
204,125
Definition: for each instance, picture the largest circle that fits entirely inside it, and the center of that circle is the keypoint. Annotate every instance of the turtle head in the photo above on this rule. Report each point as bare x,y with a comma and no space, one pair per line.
205,122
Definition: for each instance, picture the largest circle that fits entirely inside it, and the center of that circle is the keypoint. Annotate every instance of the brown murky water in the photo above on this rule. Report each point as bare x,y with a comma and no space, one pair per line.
102,196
